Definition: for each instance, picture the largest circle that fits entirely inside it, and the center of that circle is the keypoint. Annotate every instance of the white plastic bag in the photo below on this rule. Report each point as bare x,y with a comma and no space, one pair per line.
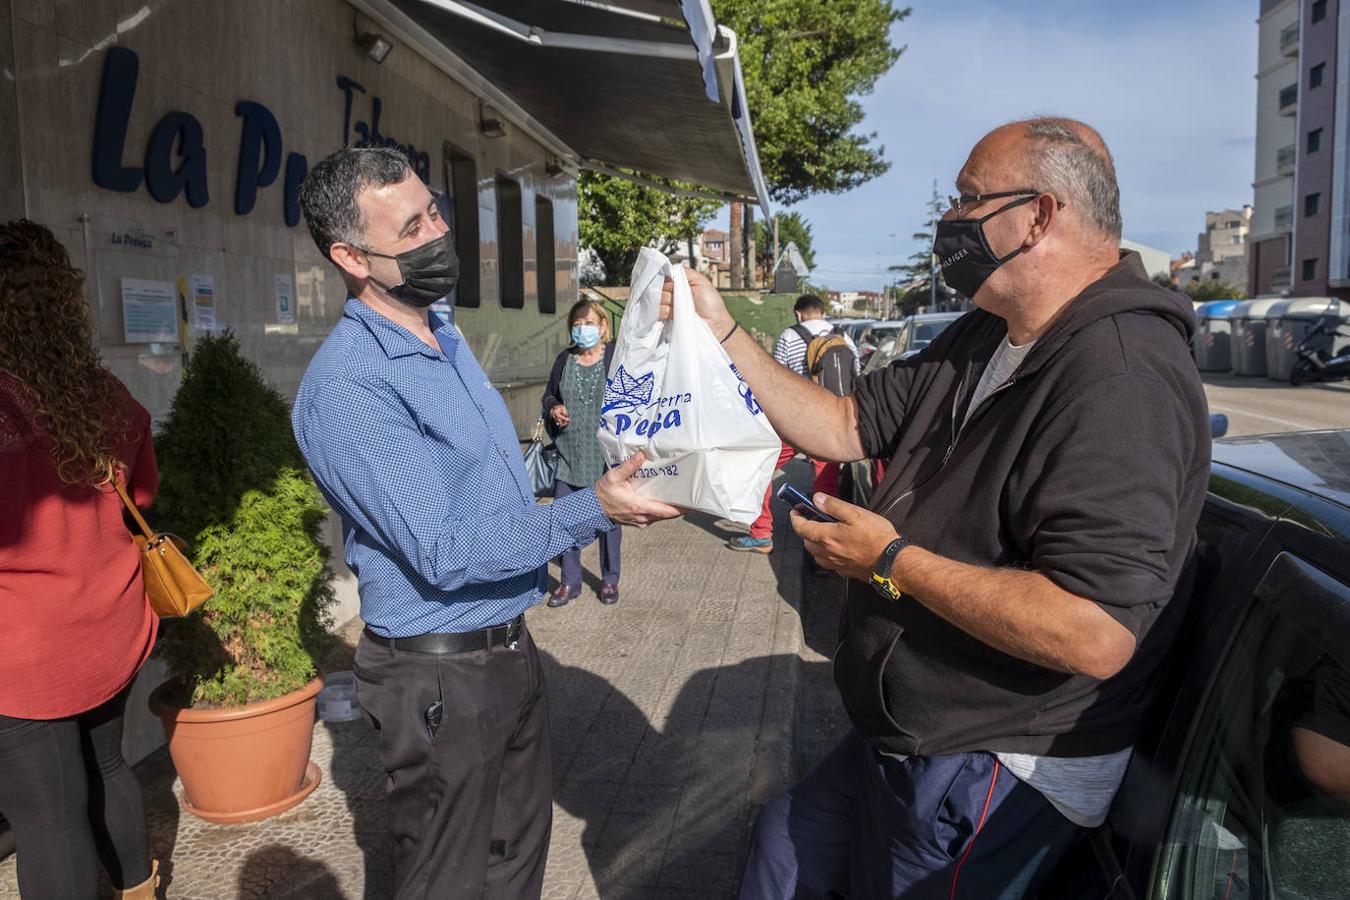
674,394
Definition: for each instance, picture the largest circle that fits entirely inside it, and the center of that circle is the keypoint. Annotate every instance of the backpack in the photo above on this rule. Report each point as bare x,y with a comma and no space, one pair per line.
829,360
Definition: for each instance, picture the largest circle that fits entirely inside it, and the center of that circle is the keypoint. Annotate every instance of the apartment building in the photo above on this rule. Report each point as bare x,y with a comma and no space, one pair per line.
1299,240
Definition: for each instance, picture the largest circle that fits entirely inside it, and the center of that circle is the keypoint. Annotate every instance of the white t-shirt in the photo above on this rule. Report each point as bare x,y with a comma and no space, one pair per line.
790,350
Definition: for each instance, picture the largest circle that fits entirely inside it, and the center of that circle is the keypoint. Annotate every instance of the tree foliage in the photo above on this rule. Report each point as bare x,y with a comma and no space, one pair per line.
617,218
792,228
1211,289
233,483
806,63
916,273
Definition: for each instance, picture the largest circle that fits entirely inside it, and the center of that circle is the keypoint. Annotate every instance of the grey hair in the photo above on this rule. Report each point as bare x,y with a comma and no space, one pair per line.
328,194
1070,160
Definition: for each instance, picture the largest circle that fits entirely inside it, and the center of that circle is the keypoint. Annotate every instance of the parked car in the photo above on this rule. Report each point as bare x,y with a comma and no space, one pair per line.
898,339
851,328
1239,787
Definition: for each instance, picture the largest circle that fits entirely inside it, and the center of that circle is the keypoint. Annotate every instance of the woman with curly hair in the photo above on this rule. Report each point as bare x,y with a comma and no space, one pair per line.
77,624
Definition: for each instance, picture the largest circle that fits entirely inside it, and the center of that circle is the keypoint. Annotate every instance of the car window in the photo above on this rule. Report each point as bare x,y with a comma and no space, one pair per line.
1263,810
926,332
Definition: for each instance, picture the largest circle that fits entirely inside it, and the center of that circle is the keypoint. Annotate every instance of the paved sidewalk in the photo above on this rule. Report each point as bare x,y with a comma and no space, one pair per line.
672,722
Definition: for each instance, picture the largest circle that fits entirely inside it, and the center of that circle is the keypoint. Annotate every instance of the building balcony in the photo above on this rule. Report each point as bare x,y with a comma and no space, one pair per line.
1280,277
1289,100
1289,40
1285,158
1284,217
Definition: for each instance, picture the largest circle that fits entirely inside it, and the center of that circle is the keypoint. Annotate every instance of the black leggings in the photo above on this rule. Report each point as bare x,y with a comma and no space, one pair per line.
72,801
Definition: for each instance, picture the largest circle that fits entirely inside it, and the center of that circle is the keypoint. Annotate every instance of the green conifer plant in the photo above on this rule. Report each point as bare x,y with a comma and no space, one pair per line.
234,485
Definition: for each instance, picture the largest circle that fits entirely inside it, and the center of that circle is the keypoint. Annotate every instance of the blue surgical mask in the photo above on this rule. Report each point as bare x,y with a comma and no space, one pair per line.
585,336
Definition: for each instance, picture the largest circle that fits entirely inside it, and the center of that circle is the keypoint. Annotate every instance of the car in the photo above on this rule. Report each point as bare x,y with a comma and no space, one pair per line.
898,339
1239,787
851,328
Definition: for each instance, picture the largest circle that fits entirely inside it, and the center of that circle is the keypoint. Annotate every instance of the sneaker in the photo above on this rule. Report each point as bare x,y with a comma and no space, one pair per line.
751,544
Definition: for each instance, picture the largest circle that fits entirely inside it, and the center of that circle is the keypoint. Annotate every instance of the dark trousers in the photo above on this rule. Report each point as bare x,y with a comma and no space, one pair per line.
609,550
470,806
862,825
73,801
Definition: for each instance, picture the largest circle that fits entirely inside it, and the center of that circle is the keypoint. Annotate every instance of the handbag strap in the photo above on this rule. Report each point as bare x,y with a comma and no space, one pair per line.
131,507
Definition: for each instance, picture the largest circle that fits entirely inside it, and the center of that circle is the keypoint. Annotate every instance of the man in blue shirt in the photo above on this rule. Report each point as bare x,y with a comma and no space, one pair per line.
416,452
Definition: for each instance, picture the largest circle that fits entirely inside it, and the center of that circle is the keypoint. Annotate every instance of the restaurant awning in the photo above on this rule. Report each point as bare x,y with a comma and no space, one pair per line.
649,85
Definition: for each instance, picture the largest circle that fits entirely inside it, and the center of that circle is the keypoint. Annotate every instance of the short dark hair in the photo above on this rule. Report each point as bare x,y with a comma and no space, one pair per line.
328,194
809,303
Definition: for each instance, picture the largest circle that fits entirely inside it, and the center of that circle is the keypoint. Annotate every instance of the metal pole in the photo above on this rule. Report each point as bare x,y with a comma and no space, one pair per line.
774,264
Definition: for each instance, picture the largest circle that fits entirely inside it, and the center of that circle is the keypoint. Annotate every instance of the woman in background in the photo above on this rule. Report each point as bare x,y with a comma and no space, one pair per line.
571,410
75,624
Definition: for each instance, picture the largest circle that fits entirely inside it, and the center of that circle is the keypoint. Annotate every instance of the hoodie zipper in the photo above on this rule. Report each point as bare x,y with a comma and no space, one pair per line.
957,430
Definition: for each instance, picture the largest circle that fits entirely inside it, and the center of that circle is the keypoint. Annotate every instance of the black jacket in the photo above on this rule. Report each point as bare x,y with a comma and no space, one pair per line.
553,390
1089,465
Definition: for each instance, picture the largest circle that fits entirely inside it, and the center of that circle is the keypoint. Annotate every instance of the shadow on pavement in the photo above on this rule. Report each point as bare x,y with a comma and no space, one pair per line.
277,871
663,807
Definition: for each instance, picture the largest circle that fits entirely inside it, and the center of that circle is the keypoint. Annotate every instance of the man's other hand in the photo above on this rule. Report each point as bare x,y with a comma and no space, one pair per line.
850,546
707,302
623,504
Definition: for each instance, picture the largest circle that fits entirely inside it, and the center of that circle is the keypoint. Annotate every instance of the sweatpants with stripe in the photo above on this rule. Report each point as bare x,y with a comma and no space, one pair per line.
864,826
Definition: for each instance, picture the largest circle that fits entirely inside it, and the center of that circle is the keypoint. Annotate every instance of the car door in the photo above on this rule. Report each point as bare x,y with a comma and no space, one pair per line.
1262,808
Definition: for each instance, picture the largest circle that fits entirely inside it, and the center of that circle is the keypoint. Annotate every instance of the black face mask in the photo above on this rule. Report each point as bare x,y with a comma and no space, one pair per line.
964,254
429,272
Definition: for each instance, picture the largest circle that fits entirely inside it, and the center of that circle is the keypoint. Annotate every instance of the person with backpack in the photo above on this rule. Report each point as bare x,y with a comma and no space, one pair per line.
813,349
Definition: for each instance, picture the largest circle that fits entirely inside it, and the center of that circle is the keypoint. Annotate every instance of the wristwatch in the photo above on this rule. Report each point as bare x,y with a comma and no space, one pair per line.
881,572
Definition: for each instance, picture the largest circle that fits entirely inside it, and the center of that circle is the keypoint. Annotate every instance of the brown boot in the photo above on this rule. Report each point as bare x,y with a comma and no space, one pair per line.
145,890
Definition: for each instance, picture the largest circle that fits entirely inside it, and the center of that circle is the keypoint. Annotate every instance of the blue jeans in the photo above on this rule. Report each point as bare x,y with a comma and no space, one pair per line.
609,550
863,825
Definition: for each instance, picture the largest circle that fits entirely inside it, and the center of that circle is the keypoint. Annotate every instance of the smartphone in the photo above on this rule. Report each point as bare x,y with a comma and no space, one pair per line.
802,503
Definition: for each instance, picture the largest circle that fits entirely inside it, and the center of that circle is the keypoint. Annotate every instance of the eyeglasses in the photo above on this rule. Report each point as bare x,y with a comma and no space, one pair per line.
968,200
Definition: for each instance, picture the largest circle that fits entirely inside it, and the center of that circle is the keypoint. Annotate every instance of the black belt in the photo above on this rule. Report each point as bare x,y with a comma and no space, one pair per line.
455,642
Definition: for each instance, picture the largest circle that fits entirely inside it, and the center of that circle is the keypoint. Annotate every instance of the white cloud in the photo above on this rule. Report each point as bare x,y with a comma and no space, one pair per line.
1173,95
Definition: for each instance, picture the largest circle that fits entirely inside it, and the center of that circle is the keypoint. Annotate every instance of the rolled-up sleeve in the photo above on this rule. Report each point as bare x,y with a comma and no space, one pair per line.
882,399
1097,519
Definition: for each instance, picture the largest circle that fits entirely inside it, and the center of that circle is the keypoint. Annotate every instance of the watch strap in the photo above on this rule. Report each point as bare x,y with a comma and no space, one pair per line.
881,572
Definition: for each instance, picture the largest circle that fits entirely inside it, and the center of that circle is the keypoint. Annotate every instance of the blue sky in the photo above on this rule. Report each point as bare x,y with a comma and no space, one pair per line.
1170,86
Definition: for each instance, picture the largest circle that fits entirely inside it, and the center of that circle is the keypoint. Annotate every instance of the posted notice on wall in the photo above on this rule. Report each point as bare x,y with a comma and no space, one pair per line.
149,311
284,287
202,302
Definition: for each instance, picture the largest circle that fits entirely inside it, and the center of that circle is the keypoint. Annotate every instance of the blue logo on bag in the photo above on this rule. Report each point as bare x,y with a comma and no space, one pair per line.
623,391
744,389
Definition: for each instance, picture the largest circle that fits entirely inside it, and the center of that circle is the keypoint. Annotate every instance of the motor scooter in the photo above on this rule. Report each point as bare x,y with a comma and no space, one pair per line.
1318,360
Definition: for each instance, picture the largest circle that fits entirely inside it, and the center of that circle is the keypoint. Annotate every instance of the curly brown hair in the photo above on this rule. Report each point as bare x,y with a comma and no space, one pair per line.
46,344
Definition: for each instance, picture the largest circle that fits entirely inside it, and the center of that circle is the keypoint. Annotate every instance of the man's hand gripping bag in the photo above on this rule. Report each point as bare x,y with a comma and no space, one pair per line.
674,394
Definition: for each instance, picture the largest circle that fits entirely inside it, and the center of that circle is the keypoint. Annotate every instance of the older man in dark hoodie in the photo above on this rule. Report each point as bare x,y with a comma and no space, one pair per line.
1046,465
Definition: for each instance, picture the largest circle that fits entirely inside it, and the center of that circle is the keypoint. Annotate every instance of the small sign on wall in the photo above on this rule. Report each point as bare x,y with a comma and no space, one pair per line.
284,287
149,312
202,302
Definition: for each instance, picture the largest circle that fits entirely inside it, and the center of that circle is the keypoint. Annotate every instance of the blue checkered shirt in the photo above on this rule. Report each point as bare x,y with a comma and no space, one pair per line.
416,452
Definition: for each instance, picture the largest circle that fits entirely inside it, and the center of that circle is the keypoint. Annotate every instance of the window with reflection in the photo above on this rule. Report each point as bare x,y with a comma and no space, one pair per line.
1264,806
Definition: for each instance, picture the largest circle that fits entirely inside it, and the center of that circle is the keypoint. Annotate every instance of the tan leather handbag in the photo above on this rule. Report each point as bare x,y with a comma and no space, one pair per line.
173,586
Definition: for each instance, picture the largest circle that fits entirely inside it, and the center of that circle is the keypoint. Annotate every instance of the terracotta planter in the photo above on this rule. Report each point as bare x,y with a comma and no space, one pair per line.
241,764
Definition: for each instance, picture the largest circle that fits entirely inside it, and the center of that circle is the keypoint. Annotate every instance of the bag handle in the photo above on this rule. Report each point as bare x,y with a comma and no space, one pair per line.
131,507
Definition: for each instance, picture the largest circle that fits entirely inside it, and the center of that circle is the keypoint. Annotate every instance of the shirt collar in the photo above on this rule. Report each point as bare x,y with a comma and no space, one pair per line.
397,341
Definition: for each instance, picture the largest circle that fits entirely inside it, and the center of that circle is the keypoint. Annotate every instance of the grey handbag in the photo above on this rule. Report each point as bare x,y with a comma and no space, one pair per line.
541,462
